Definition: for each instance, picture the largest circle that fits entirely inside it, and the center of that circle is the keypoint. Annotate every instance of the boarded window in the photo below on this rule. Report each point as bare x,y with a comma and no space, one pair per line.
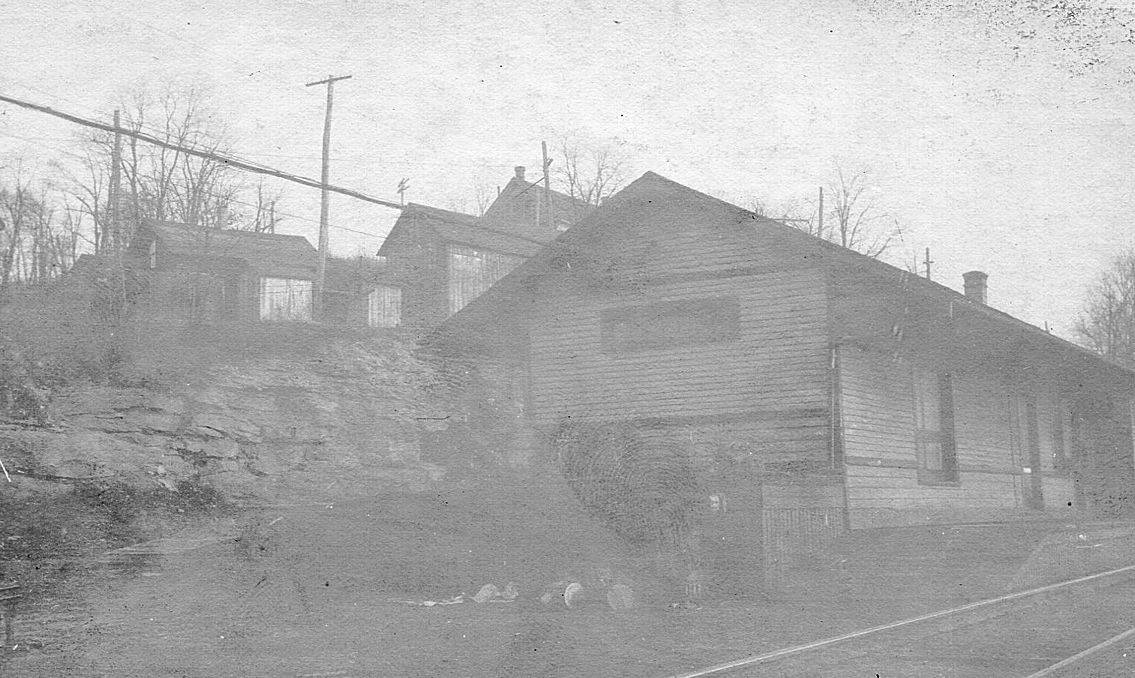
934,427
384,306
285,299
472,271
668,324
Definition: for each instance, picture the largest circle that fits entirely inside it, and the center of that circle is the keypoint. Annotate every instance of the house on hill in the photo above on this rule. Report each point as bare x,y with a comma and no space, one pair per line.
703,375
523,208
441,260
204,273
215,275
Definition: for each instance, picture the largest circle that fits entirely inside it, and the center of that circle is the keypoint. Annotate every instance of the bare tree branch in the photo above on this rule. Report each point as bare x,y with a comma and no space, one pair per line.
851,217
589,174
1107,320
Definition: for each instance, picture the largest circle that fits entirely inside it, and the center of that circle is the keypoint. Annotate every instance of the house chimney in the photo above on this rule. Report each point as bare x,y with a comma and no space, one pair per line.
520,172
975,285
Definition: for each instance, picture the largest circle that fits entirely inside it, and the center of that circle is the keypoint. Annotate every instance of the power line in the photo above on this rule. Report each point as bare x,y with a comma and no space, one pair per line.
213,194
208,155
349,159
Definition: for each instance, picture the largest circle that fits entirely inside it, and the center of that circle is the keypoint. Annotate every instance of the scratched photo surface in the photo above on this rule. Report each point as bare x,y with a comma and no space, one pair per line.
640,339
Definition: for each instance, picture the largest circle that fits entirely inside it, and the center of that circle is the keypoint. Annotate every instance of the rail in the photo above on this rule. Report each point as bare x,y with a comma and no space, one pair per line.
776,655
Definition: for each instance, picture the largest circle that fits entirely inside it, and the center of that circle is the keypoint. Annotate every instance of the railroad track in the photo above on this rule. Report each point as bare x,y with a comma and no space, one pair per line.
1055,630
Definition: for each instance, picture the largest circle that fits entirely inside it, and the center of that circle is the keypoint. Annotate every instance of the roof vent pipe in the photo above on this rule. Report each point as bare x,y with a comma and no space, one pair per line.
520,172
975,285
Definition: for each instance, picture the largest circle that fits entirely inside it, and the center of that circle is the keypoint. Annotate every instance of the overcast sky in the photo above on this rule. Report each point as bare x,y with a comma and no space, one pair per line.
1004,140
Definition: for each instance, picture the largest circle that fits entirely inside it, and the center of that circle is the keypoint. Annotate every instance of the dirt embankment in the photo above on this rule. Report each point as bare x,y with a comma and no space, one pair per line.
201,426
237,426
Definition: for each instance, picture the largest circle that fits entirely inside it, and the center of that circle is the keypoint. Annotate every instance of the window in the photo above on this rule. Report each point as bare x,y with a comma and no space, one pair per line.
285,299
473,271
384,306
668,324
934,427
1059,445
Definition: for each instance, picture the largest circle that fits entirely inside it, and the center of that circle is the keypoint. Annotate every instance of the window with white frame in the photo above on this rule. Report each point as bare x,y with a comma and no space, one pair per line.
472,271
384,306
285,299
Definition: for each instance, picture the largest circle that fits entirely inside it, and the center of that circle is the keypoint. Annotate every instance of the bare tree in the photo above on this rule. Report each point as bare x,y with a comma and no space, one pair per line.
264,218
483,196
589,173
157,182
850,216
38,239
1107,320
859,224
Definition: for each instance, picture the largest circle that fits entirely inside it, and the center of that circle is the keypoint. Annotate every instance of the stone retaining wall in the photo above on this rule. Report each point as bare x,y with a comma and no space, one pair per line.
240,428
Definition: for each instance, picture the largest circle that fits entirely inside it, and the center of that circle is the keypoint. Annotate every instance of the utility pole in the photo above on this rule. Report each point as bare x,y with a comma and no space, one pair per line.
547,186
403,186
927,263
113,231
325,196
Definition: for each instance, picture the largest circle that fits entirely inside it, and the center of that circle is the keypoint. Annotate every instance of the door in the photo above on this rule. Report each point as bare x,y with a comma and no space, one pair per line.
1026,437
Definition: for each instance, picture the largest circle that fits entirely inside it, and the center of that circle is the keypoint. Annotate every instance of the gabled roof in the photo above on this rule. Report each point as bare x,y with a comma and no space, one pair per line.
520,209
456,227
265,252
576,247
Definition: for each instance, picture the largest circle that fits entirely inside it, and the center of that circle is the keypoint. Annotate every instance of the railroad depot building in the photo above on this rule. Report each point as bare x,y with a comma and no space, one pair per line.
702,375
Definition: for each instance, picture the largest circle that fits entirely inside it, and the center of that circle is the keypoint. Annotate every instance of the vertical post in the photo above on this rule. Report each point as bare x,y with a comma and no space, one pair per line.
820,230
324,197
112,234
1130,503
403,186
927,261
547,187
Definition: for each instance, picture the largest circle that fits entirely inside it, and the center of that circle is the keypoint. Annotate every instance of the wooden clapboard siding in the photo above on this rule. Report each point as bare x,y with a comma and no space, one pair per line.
769,390
981,423
779,362
881,465
887,497
877,406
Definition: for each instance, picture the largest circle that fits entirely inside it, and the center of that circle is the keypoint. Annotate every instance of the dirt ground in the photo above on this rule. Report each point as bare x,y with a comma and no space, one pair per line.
312,589
219,611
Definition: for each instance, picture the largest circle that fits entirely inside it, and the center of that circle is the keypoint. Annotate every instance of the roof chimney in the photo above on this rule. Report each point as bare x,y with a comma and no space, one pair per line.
975,285
520,172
